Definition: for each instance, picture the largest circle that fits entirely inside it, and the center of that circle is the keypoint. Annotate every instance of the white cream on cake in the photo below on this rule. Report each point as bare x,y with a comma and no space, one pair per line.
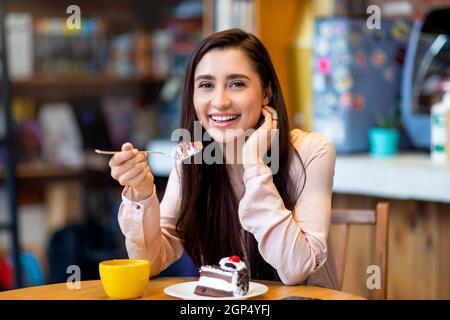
215,283
239,265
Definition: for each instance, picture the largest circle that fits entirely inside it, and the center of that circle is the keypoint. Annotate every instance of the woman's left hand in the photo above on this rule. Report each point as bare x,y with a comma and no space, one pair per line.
261,140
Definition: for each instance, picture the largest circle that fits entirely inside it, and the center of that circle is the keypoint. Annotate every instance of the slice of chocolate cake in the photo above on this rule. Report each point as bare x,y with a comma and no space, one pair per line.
230,278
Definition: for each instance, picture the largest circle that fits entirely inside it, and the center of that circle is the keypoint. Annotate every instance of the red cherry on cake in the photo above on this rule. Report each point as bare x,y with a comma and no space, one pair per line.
234,259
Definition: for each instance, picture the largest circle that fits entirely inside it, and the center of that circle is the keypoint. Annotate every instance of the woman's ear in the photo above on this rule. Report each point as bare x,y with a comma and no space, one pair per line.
267,95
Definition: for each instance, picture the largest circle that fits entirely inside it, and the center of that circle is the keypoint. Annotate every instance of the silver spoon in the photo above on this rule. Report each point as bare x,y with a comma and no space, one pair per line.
183,150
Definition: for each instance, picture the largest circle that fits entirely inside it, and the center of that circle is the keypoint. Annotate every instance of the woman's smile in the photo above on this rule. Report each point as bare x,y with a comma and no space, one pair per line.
223,120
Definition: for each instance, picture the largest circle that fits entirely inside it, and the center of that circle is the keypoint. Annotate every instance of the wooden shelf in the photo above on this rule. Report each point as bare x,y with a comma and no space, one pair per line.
83,79
42,170
56,88
48,170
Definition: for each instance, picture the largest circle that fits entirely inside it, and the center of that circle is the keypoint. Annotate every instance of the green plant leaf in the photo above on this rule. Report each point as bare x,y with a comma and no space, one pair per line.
392,119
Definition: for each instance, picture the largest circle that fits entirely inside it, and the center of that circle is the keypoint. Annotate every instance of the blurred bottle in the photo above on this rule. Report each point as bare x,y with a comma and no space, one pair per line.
142,52
121,61
161,57
439,127
19,38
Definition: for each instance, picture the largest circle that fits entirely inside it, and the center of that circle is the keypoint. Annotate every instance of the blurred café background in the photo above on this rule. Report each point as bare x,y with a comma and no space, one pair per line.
370,75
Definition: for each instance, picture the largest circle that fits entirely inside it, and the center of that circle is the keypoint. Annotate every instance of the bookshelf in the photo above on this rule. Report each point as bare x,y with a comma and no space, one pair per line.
10,180
112,27
68,191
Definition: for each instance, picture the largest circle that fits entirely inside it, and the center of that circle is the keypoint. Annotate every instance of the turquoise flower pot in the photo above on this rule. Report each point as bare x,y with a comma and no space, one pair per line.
383,142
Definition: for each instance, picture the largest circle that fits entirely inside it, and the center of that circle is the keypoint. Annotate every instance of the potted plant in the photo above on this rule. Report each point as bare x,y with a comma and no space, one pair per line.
384,138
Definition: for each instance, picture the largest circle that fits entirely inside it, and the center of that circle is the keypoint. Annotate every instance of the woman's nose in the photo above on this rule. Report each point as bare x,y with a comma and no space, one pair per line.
221,99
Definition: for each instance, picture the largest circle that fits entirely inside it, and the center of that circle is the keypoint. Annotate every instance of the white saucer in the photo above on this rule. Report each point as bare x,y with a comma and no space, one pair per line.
185,290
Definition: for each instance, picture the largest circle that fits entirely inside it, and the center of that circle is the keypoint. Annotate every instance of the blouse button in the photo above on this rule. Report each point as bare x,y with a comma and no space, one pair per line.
138,207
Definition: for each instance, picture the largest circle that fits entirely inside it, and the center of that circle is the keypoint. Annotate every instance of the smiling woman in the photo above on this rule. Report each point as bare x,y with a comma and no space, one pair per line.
276,219
228,94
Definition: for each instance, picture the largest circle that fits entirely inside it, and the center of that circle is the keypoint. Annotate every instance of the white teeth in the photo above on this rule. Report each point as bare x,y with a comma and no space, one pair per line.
223,118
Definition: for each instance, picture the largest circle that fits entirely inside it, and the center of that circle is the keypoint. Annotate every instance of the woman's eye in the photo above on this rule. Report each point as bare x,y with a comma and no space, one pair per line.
238,84
205,85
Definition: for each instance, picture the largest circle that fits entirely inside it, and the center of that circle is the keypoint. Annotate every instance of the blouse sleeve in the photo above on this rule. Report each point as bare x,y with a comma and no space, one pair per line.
149,227
293,242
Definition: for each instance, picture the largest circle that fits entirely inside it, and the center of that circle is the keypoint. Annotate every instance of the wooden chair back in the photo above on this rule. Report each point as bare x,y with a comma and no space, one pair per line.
379,217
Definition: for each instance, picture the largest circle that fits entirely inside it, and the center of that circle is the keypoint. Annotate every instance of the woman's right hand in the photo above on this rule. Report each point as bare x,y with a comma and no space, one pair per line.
130,168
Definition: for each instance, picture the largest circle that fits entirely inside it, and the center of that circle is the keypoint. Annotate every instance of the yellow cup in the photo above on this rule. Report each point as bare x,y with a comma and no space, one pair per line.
124,278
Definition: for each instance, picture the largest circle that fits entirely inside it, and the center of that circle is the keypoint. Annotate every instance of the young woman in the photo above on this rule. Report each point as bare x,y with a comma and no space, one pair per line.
278,223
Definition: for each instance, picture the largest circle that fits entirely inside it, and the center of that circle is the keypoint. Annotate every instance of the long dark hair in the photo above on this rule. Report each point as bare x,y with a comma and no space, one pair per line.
209,224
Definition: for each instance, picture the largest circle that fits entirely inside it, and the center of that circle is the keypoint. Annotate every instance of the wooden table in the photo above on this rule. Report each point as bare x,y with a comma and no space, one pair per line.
93,290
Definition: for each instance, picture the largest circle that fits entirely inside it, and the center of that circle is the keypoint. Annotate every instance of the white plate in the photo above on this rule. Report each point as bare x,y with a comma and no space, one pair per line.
185,290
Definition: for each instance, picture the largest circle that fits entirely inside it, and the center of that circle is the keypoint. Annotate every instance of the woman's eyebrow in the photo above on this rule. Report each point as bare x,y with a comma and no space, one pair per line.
204,77
237,76
229,77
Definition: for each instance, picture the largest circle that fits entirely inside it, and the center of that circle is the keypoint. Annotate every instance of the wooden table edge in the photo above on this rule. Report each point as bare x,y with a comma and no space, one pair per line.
93,290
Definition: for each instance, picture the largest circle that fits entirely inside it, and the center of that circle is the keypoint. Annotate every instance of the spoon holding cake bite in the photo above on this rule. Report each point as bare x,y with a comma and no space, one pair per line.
183,151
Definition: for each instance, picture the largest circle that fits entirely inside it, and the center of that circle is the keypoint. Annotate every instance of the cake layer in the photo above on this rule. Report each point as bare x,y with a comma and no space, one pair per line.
215,283
211,274
211,292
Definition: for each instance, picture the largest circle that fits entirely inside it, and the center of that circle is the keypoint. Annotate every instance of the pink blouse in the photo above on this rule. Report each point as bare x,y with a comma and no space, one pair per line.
295,242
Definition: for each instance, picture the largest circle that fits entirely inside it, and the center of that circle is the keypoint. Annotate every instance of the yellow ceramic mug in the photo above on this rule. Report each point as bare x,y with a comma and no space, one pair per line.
124,278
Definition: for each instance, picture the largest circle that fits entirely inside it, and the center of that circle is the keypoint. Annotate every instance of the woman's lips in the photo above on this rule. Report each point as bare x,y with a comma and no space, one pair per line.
223,121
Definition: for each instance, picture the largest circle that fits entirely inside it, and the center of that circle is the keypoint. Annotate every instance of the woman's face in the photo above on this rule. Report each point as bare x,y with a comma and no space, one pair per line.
228,94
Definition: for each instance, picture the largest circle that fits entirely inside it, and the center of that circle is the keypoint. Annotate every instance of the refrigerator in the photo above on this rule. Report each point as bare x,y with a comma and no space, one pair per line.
356,77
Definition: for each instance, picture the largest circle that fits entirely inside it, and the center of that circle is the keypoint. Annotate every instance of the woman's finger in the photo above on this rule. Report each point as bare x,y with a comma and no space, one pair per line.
127,146
126,165
274,114
135,181
117,171
122,156
132,173
272,111
267,118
